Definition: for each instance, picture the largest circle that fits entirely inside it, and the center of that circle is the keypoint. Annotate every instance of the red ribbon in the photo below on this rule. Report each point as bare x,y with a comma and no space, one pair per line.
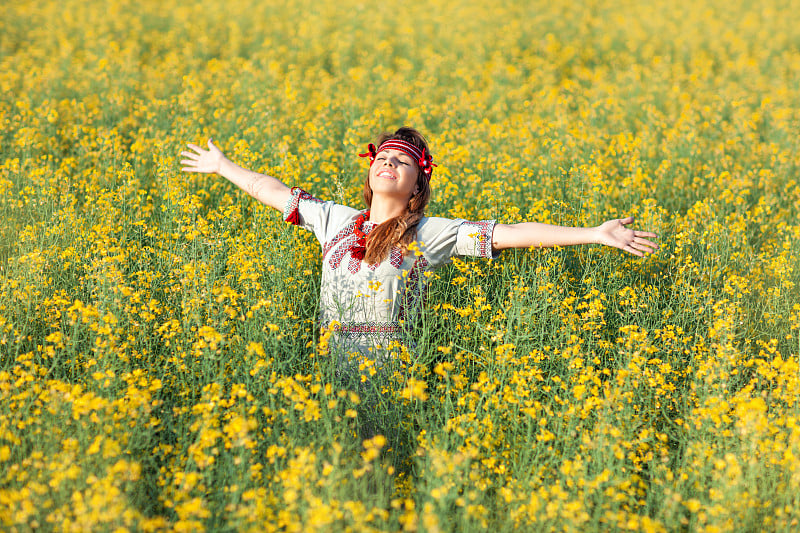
423,158
426,163
371,153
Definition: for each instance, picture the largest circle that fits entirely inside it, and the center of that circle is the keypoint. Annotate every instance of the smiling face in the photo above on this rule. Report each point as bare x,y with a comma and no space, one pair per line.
395,185
394,173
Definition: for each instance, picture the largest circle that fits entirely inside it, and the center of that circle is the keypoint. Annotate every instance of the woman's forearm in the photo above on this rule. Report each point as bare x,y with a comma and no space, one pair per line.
527,234
264,188
612,232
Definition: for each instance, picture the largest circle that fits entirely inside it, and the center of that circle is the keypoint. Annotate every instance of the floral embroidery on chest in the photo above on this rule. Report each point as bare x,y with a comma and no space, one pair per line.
341,246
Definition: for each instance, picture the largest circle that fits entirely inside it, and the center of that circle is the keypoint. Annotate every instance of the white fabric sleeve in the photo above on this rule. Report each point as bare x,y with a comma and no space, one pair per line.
440,239
304,210
475,238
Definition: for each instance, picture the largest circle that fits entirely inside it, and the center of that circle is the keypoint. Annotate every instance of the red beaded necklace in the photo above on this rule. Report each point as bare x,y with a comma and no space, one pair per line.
359,248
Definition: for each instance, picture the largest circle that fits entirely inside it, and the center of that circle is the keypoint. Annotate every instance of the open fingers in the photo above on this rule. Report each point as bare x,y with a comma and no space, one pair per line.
191,164
640,246
191,155
631,250
635,242
645,242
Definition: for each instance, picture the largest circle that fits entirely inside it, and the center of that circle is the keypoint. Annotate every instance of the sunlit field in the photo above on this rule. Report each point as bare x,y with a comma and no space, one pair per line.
161,364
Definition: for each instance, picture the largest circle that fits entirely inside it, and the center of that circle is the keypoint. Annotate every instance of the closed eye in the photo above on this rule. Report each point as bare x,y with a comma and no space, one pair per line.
402,159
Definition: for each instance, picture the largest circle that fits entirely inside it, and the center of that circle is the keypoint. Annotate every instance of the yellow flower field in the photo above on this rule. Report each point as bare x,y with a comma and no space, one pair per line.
161,365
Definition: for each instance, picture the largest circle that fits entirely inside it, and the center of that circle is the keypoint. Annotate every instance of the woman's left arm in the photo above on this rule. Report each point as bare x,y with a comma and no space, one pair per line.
611,233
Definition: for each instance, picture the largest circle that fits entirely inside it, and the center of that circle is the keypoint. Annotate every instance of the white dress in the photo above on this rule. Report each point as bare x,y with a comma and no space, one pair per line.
371,303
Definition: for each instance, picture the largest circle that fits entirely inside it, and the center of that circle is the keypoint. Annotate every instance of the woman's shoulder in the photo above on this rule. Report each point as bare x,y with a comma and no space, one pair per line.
298,194
432,230
340,215
437,224
445,237
311,212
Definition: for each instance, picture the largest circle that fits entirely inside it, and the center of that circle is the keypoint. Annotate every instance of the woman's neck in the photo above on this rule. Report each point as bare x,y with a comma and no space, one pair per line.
382,210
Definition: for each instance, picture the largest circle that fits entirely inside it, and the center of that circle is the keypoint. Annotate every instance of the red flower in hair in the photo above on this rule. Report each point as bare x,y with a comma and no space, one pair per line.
426,163
371,153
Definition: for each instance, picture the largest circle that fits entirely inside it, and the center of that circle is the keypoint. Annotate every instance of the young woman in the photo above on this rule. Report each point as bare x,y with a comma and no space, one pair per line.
375,260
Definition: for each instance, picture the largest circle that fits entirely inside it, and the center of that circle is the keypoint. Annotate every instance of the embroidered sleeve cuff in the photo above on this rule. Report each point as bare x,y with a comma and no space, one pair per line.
291,213
475,239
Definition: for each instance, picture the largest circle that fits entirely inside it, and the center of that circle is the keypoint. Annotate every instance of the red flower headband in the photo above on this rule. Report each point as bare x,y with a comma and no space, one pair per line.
422,157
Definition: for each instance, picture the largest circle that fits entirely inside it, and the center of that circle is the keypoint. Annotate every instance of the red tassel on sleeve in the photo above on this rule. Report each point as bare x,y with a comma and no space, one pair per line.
294,217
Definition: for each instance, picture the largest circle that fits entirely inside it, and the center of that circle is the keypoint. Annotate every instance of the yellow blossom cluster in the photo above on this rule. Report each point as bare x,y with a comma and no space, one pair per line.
161,363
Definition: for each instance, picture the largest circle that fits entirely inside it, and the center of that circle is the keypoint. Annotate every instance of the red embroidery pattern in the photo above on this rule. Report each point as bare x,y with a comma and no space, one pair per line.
354,330
338,255
341,245
483,238
343,233
355,263
396,257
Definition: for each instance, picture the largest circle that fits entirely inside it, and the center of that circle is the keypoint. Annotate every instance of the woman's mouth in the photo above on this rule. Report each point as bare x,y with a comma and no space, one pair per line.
386,174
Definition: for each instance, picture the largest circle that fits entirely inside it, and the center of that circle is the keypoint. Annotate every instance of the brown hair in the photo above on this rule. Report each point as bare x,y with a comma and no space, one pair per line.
400,230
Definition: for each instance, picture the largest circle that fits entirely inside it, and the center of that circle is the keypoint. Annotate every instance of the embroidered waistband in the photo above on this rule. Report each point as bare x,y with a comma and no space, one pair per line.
358,329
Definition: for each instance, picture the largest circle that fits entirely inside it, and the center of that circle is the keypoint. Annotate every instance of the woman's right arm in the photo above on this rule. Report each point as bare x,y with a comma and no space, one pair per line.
266,189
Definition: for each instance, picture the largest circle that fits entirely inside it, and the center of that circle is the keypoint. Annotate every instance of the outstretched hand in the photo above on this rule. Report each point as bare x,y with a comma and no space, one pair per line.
614,233
201,160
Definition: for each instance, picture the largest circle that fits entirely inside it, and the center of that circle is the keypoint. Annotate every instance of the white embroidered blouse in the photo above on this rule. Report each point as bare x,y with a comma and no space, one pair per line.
371,302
